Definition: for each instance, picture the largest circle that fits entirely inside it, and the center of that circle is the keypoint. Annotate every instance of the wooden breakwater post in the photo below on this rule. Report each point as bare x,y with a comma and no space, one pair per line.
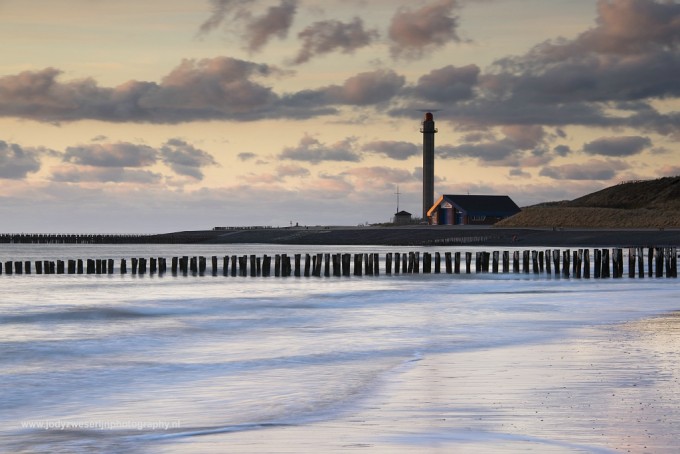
337,265
368,264
234,266
641,261
297,264
605,273
346,262
659,256
254,268
266,266
566,262
307,264
427,263
243,266
632,261
357,264
661,261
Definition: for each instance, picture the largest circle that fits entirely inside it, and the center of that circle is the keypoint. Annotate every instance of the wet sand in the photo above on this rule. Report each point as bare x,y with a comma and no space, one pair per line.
611,388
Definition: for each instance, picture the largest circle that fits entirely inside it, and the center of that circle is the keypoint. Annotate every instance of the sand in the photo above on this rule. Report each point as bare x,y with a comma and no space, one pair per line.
611,388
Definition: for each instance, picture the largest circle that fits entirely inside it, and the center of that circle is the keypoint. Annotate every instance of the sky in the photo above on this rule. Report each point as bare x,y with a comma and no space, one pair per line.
167,115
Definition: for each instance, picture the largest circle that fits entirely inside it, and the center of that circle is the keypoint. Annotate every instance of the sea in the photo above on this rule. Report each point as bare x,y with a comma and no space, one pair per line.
436,363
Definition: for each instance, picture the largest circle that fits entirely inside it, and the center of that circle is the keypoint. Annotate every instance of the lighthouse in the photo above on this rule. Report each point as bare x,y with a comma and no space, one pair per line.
428,131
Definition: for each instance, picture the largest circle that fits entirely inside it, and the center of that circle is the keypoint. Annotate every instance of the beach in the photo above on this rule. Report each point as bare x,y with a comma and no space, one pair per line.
493,363
598,393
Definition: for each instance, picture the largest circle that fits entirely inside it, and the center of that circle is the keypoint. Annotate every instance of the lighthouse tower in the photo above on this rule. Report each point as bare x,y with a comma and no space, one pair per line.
428,131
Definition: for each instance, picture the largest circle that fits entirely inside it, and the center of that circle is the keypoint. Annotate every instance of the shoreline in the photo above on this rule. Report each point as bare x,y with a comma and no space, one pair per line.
412,235
431,236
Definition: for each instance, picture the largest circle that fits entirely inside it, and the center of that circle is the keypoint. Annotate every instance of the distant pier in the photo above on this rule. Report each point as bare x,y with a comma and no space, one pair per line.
410,235
569,263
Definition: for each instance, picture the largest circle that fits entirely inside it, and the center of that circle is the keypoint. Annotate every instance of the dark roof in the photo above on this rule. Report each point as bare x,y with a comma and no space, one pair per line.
490,205
402,213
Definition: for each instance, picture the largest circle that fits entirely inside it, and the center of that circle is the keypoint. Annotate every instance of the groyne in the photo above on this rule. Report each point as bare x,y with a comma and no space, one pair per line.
576,263
77,238
418,235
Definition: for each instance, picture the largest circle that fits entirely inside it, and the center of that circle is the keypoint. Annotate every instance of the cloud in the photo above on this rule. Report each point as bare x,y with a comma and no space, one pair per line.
497,153
522,146
414,33
631,55
624,27
363,89
448,84
221,8
246,156
185,159
669,171
562,150
292,170
519,173
205,89
121,154
332,186
255,30
524,137
79,174
328,36
276,22
591,170
219,88
366,88
17,162
311,150
618,146
221,85
378,178
392,149
92,161
608,76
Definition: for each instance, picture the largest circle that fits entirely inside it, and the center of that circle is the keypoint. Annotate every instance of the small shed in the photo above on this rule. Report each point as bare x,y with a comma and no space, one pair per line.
403,217
471,209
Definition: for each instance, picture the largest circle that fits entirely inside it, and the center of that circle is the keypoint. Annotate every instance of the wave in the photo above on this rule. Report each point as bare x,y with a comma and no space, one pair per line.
77,314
